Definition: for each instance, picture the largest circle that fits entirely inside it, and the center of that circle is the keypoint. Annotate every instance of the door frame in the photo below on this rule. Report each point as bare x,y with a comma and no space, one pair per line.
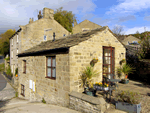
112,60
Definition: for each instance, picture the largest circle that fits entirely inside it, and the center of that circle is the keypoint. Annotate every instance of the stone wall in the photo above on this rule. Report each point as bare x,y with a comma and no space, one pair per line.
86,24
87,104
53,91
82,54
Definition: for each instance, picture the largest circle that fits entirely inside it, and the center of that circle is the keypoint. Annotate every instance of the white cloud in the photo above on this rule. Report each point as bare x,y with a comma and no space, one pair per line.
17,12
129,6
147,18
102,21
135,29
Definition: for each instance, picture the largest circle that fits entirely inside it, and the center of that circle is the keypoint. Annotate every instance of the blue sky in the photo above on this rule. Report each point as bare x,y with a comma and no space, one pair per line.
132,15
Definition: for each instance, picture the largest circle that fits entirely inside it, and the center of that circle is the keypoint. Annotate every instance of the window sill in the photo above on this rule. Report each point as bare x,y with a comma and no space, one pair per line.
22,94
51,78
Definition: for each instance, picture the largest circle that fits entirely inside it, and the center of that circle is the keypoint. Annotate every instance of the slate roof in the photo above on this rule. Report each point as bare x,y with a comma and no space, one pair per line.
67,41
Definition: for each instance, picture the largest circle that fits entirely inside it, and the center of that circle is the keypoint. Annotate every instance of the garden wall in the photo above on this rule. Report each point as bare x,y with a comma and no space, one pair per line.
87,104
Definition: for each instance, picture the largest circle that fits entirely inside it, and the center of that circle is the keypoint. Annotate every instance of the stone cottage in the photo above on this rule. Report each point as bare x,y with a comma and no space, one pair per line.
52,69
130,40
84,26
35,32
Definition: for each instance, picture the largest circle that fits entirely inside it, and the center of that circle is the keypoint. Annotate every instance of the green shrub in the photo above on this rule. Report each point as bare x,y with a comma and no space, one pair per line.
127,96
16,71
8,71
44,101
7,58
16,94
2,67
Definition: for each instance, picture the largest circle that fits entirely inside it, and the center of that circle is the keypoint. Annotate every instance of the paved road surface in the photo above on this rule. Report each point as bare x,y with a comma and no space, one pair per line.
6,91
1,59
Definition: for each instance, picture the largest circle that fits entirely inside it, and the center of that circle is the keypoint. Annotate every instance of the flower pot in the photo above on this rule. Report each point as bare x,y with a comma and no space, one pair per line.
105,88
125,81
131,108
91,93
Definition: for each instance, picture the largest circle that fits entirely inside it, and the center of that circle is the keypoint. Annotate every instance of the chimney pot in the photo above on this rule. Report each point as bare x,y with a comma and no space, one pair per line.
30,20
39,15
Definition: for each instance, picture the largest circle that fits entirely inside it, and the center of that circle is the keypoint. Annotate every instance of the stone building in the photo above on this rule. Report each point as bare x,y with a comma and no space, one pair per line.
130,40
35,32
84,26
52,69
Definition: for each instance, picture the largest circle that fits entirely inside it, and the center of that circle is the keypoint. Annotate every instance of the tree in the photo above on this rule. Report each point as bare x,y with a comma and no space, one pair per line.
118,30
145,47
65,18
4,41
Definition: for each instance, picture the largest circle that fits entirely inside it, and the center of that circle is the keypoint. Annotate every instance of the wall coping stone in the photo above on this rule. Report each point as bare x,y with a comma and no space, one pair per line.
88,98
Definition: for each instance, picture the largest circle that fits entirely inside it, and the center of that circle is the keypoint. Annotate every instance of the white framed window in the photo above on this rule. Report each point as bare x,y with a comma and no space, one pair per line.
17,50
17,38
11,54
12,68
12,41
45,37
85,29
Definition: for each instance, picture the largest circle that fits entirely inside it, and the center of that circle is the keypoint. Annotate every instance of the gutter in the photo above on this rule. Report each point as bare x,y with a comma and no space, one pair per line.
51,51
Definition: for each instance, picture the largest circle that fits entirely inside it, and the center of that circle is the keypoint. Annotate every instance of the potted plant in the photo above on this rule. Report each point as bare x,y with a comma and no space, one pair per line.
94,60
98,86
16,72
86,78
127,101
126,69
105,88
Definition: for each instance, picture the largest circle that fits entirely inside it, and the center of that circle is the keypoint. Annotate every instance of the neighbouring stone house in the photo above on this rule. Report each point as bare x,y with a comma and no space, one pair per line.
52,69
34,33
130,40
84,26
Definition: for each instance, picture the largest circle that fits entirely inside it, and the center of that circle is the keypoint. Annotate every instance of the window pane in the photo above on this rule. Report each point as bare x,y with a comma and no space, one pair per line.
106,69
49,72
49,61
106,60
106,52
54,62
54,72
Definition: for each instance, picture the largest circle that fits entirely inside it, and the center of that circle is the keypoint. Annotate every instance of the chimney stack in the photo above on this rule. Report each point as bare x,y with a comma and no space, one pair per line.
39,15
48,13
30,21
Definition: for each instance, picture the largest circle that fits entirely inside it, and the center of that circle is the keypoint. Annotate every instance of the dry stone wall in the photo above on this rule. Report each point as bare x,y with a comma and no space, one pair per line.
87,104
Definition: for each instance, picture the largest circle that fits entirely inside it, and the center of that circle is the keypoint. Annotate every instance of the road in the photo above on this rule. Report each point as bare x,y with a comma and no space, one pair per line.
1,59
6,91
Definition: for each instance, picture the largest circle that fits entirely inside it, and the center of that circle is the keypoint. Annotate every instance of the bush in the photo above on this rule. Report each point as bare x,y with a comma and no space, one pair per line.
127,96
8,71
16,94
7,58
16,71
2,67
44,101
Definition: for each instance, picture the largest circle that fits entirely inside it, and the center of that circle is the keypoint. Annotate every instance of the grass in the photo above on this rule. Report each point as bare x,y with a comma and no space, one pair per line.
2,67
16,94
44,101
